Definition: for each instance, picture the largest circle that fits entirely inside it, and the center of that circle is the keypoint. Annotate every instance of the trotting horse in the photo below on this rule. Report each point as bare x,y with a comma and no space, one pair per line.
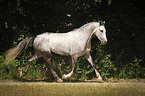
75,43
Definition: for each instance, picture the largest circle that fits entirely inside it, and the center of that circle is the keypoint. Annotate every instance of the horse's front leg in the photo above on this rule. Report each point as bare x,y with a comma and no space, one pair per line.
89,58
74,66
48,65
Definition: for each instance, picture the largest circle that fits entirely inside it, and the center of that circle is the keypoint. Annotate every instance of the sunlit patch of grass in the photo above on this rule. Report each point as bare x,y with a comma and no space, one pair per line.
73,89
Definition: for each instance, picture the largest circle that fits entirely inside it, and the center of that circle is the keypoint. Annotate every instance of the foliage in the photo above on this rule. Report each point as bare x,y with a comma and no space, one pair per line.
132,70
104,63
8,72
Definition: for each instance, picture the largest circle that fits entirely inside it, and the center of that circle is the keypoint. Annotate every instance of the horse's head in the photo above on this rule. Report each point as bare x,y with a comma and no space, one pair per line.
100,32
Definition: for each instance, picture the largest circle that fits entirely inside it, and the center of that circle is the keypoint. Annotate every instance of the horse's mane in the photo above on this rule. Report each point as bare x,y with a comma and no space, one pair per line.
84,26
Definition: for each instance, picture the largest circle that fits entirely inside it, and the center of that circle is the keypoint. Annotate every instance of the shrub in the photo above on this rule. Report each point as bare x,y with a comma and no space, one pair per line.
8,71
132,70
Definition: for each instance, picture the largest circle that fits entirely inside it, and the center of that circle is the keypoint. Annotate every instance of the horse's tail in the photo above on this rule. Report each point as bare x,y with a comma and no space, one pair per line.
14,52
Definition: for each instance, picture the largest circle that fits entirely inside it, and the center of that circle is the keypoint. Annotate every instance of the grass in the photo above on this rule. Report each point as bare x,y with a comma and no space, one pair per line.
72,89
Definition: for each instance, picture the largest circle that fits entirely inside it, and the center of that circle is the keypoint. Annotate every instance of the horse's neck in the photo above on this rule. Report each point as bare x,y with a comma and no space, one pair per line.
84,34
90,34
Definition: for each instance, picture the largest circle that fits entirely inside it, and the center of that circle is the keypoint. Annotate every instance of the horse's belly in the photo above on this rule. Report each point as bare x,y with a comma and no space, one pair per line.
68,51
66,48
62,48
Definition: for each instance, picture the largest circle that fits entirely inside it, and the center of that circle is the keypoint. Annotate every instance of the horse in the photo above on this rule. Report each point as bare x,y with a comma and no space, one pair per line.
75,43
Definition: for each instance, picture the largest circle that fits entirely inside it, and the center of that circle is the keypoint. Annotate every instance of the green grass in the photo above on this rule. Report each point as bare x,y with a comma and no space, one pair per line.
73,89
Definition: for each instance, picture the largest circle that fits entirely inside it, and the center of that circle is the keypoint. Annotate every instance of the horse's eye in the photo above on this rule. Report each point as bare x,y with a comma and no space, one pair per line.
101,31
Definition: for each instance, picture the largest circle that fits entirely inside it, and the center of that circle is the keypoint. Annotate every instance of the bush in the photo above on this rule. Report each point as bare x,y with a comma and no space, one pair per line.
105,65
63,65
8,71
132,70
107,68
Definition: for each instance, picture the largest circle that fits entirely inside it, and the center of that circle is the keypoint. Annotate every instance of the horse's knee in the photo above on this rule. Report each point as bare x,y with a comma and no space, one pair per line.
94,66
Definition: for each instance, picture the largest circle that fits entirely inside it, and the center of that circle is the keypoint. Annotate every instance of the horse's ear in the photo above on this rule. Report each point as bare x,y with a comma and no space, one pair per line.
102,22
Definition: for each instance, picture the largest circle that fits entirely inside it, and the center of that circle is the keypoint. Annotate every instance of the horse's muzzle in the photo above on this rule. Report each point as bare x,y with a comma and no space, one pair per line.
103,43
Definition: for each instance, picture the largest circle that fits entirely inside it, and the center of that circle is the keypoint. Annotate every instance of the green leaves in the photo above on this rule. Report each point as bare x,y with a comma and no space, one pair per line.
6,25
132,70
109,1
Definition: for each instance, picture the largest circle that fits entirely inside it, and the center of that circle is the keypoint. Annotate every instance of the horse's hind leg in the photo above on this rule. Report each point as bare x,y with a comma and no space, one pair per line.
89,58
28,63
74,66
48,65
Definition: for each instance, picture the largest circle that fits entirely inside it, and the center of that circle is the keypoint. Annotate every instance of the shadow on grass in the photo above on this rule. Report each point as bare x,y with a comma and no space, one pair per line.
70,80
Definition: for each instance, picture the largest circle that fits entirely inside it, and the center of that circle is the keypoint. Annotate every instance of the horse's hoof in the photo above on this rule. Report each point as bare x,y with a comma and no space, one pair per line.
100,80
59,80
64,76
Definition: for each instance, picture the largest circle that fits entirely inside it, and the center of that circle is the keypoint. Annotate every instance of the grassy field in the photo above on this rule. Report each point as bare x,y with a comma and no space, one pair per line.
72,89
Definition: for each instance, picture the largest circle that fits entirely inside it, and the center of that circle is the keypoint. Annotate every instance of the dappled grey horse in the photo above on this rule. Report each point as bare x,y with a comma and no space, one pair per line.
75,43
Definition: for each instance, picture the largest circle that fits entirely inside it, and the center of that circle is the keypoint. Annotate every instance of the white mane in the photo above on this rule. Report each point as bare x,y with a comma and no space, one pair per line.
86,25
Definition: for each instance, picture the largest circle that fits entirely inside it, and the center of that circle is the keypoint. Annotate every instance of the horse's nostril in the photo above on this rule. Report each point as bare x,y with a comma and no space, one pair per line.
105,41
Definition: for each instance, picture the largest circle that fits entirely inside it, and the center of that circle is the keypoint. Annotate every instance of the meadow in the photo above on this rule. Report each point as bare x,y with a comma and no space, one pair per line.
72,89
